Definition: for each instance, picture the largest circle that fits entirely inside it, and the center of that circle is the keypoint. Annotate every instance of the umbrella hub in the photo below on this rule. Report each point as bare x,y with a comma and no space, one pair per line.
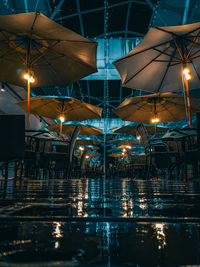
21,44
155,100
183,45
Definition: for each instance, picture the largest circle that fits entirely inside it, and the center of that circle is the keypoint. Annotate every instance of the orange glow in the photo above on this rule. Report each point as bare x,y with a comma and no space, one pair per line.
81,148
29,77
155,120
62,118
186,72
138,137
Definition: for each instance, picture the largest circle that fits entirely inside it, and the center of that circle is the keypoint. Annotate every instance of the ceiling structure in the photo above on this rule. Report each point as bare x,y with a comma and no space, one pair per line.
117,26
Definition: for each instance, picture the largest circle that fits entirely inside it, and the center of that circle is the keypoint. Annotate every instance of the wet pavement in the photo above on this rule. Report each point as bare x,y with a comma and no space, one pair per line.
99,222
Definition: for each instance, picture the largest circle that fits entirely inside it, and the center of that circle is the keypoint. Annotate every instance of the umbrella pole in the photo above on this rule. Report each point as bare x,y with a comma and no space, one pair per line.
61,130
188,101
28,98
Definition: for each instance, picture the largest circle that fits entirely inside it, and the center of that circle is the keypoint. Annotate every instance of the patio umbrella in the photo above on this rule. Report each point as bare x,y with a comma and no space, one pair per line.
88,154
160,107
157,62
36,50
87,142
124,142
69,128
132,129
62,108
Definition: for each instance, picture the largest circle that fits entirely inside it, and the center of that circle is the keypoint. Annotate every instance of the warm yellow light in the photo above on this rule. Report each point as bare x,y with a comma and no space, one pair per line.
87,157
138,137
128,147
122,153
155,120
62,119
124,150
30,78
186,72
81,148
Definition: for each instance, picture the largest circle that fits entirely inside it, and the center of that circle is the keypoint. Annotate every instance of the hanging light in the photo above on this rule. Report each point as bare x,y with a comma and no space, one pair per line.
138,137
62,118
155,120
81,148
29,77
186,72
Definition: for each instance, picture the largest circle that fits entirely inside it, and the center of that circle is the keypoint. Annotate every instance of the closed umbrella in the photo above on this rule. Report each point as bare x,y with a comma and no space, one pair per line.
164,61
45,53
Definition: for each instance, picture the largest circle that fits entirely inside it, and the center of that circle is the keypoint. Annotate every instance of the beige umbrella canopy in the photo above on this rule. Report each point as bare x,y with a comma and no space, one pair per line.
155,108
124,142
88,154
69,129
55,54
87,142
129,129
69,108
36,51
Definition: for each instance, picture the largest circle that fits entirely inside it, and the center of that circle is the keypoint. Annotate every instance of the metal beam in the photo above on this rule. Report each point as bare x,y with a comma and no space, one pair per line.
186,10
57,8
127,18
119,32
152,6
80,17
101,8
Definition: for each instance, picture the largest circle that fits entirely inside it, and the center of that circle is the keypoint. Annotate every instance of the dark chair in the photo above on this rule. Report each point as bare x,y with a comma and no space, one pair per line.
12,141
158,154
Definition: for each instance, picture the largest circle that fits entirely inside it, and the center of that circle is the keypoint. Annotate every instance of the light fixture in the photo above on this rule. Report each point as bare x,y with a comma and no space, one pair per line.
29,78
155,120
62,118
87,157
124,150
81,148
138,137
128,147
3,90
186,72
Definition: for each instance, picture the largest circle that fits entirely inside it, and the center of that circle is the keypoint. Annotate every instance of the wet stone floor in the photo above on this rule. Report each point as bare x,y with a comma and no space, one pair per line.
99,222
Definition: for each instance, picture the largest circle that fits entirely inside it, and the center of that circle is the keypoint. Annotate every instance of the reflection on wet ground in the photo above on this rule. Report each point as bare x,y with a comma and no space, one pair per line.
99,222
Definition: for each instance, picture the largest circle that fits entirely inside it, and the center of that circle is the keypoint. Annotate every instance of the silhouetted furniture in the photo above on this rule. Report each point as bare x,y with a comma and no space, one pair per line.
12,140
158,154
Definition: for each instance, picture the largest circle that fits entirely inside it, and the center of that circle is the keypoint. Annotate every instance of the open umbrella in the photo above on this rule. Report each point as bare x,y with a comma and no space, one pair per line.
157,63
62,108
45,53
88,142
124,142
69,129
155,108
132,129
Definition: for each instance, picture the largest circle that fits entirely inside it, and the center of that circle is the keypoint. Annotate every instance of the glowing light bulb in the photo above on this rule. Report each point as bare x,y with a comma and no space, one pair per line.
155,120
124,150
30,78
81,148
186,72
128,147
62,119
87,157
138,137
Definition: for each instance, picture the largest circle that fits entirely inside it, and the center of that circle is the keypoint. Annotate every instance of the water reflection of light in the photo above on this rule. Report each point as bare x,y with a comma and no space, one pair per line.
58,233
160,235
143,203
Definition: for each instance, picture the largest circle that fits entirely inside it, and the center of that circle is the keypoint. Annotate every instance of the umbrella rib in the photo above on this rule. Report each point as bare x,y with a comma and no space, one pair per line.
168,65
171,56
163,30
67,56
165,108
144,67
144,50
8,42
